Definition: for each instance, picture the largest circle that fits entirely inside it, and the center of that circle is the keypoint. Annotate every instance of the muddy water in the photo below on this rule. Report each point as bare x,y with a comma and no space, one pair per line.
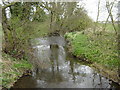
55,68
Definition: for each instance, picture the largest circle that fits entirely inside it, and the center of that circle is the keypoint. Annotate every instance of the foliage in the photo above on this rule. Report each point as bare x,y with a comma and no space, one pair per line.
74,17
21,29
30,20
39,15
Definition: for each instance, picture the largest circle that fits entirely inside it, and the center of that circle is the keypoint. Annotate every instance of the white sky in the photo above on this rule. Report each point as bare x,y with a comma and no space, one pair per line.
92,8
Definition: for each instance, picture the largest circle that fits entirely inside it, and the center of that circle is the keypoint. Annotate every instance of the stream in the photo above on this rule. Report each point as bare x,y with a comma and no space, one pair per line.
54,67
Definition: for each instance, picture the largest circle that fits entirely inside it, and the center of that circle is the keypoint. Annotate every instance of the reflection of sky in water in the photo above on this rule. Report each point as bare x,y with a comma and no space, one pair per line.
84,69
54,71
62,73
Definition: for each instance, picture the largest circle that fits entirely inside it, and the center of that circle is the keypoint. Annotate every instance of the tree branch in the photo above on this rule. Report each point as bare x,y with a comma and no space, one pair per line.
111,16
11,4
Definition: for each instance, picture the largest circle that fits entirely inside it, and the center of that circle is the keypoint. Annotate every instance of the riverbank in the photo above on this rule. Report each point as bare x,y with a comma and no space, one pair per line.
100,50
13,69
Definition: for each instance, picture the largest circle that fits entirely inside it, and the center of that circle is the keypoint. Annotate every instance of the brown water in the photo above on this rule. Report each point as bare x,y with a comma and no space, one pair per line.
55,68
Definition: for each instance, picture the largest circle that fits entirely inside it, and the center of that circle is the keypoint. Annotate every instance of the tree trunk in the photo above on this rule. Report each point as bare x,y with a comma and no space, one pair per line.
97,17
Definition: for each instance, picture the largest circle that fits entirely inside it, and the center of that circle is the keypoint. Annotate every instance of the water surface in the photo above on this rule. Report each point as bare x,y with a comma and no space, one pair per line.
55,68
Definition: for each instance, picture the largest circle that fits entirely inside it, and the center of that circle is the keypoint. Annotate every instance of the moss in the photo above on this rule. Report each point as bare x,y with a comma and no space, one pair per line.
12,69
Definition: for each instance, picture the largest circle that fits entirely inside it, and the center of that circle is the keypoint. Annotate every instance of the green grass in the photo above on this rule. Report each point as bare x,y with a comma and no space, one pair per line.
109,26
23,64
101,49
12,69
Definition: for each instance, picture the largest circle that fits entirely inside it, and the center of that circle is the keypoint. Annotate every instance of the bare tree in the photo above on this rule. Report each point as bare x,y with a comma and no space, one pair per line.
104,26
98,13
111,16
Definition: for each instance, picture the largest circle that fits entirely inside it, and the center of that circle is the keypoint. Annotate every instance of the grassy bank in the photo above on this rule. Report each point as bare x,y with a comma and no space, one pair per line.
100,49
12,69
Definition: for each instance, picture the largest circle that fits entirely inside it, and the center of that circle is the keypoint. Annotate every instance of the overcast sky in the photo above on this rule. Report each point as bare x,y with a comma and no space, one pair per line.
91,7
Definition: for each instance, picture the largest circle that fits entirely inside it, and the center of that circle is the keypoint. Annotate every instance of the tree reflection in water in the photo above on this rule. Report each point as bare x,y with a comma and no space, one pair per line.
54,68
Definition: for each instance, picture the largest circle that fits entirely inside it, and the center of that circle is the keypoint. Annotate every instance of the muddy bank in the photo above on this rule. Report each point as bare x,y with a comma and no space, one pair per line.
111,74
24,73
13,69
